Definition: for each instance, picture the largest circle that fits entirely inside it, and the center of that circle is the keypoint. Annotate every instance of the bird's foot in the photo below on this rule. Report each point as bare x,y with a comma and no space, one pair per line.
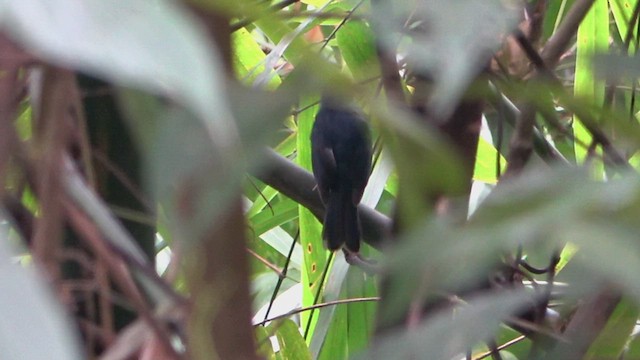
369,266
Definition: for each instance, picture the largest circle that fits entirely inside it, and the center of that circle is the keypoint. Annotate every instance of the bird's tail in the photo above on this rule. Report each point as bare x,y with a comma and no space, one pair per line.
341,223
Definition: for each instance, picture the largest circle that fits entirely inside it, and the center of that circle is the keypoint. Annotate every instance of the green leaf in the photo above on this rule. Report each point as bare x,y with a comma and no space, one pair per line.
593,37
263,199
292,344
486,164
281,241
633,350
358,48
316,3
335,343
326,320
622,10
314,254
613,338
361,315
264,345
265,220
249,59
555,13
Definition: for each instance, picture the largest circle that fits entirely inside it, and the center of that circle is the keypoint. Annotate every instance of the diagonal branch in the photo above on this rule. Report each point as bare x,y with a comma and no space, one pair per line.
561,38
298,184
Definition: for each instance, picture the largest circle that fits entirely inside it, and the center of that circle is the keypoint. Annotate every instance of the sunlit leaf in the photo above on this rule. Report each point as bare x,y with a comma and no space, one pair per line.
593,37
314,254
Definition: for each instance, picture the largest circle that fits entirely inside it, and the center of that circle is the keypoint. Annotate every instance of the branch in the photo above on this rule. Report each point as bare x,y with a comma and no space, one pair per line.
560,39
586,324
319,306
299,185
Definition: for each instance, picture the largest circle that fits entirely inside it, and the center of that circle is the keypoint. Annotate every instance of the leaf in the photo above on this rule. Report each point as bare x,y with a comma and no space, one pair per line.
520,349
416,151
264,344
263,198
616,67
622,11
292,344
613,339
314,254
281,241
249,58
486,165
379,177
361,315
334,346
556,11
357,45
33,325
633,350
265,220
332,291
593,37
187,174
316,3
446,335
440,48
150,45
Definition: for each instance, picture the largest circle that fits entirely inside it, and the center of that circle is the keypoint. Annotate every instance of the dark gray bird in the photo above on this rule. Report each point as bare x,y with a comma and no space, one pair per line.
341,157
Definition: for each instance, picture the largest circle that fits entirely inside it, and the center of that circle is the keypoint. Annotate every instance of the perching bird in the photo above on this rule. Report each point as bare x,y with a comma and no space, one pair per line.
341,158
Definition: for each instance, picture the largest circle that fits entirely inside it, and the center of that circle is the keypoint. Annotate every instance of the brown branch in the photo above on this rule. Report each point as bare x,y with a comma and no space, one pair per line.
11,60
51,136
521,144
522,139
113,232
124,179
298,184
586,324
501,347
561,38
22,218
219,324
265,262
92,238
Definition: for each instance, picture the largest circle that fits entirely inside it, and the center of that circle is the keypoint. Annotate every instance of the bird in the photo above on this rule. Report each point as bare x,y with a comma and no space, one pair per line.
341,162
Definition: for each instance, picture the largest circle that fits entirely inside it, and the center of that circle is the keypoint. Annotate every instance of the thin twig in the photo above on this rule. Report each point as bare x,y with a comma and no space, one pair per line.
282,275
265,262
124,179
90,234
501,347
319,306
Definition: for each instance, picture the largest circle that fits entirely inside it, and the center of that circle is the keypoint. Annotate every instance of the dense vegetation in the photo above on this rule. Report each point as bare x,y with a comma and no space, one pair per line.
157,201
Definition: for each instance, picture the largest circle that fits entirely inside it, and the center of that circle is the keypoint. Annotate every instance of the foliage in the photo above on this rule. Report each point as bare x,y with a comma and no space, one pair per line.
500,215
